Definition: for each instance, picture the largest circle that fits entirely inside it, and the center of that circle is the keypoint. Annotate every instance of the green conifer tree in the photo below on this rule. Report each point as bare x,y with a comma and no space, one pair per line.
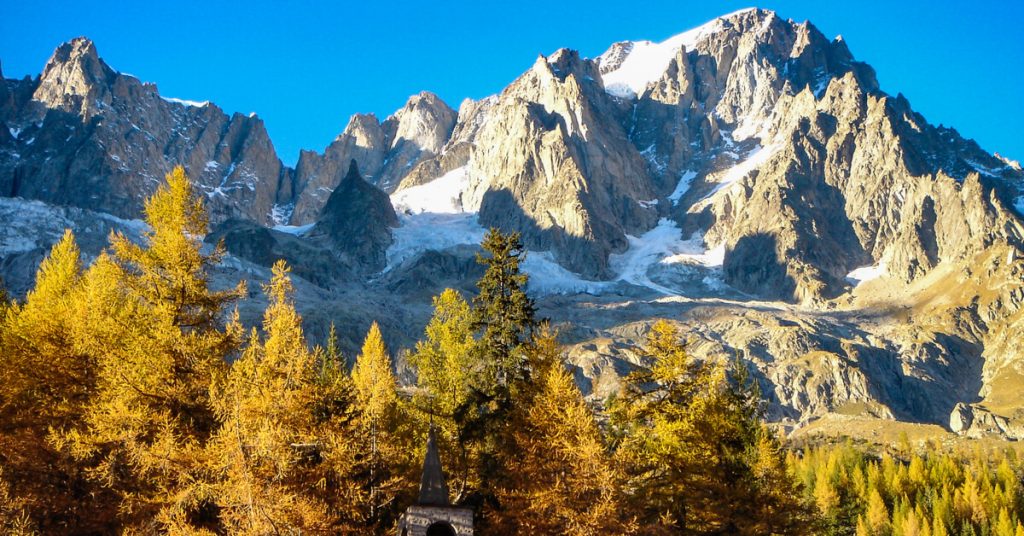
502,313
504,317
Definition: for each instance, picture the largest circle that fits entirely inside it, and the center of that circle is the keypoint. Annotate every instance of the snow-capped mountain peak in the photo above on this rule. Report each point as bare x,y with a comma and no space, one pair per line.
628,67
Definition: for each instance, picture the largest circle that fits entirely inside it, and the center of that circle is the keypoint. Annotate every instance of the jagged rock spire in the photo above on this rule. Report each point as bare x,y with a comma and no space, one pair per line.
433,488
353,171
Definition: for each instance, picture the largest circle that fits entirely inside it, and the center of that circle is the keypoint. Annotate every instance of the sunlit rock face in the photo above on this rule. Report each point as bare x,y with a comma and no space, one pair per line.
747,179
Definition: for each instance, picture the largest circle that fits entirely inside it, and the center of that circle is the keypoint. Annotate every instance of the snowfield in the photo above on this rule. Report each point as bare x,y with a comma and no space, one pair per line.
647,61
547,277
296,230
432,217
442,195
661,247
427,231
866,273
30,225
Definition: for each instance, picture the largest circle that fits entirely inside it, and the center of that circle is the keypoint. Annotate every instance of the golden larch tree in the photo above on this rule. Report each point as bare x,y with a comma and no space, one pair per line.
386,432
268,449
159,343
47,380
559,474
442,362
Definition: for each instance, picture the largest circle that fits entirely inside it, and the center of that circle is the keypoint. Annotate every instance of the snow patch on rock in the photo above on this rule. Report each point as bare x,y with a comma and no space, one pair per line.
646,61
682,186
442,195
867,273
753,160
279,214
192,103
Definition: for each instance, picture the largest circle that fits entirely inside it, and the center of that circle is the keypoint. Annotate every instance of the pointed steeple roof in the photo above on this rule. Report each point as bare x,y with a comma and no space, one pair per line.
433,489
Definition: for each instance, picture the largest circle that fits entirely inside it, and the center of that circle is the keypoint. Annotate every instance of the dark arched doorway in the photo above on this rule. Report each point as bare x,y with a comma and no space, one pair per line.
440,528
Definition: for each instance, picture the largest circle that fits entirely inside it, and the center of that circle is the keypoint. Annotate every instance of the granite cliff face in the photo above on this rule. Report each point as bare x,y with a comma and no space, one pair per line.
558,166
748,179
85,135
386,152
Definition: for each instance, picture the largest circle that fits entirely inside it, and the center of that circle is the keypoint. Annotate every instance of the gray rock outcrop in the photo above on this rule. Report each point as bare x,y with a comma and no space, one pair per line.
385,152
355,223
95,138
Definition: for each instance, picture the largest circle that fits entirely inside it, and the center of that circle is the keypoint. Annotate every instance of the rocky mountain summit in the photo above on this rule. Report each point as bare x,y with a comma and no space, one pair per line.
84,135
384,151
747,178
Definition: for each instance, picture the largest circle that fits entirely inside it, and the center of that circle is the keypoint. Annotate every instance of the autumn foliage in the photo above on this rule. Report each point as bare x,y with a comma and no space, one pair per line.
133,401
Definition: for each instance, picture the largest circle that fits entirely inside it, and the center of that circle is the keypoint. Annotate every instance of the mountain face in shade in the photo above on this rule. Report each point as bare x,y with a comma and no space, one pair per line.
748,179
356,221
386,152
91,137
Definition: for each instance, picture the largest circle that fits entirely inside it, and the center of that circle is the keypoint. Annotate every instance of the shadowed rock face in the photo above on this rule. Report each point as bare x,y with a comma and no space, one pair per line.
264,246
95,138
355,222
386,152
316,175
759,137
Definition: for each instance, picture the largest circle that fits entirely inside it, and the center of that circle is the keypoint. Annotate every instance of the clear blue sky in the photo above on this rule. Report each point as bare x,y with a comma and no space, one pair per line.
305,67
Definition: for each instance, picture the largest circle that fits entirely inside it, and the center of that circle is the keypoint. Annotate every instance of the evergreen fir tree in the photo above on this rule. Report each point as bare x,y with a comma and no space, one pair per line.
502,313
503,316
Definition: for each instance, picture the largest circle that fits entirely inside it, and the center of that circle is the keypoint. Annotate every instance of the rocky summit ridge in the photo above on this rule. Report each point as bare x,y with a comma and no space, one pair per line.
748,179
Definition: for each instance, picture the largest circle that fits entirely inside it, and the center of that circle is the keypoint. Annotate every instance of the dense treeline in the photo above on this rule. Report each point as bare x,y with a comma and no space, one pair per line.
133,401
972,493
